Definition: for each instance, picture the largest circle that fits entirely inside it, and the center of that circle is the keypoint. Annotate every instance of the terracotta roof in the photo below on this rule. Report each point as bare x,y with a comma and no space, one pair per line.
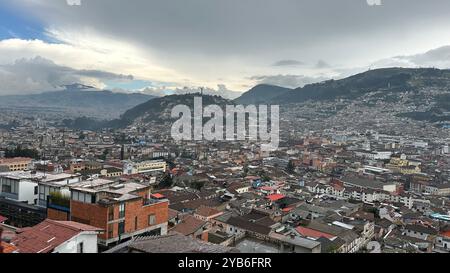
13,160
307,232
207,211
242,223
172,214
275,197
189,225
158,196
8,248
46,236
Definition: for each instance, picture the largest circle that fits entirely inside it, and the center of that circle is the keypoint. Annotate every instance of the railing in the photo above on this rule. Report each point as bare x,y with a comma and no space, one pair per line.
149,202
58,204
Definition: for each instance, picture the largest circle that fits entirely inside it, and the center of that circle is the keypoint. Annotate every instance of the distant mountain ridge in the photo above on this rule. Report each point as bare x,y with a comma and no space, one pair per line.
79,98
389,84
389,80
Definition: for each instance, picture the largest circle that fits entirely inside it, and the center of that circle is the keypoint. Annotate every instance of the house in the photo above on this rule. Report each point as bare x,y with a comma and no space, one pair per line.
205,213
443,240
420,231
192,226
290,243
57,237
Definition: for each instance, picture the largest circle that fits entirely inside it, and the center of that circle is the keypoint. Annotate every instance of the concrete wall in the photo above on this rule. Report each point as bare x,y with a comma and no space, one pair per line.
89,240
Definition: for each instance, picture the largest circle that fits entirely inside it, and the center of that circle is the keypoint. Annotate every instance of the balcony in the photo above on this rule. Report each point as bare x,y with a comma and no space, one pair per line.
58,202
153,201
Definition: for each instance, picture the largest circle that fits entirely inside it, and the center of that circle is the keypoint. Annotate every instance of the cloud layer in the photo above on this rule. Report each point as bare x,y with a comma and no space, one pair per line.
234,43
39,74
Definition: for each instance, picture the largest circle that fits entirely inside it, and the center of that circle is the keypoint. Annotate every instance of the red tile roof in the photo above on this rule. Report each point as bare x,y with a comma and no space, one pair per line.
3,219
207,211
446,233
275,197
8,248
189,225
46,236
158,196
307,232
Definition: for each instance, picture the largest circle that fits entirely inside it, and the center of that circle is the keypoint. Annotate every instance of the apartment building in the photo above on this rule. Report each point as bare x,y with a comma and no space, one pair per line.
15,164
145,167
122,210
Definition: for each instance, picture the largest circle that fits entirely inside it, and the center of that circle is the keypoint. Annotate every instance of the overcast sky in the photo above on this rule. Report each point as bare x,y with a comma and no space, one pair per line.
233,44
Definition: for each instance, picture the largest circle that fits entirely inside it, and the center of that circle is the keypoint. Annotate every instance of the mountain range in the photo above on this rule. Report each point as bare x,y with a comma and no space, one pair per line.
78,98
387,80
388,84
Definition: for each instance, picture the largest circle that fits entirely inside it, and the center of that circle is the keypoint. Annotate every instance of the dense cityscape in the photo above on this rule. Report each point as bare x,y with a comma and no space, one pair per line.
111,136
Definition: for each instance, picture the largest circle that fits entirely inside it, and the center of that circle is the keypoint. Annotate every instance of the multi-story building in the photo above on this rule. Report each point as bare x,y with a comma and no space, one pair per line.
145,167
15,164
20,186
122,210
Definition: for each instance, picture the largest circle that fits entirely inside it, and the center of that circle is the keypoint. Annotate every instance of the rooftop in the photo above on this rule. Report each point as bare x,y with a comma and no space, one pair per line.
172,243
49,234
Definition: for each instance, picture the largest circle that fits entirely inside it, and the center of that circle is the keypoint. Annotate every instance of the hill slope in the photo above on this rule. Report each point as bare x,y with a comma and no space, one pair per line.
388,80
262,93
156,110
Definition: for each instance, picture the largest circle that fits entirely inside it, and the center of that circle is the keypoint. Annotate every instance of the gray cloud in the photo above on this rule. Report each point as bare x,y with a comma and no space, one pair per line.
288,63
344,30
39,74
290,81
439,58
321,64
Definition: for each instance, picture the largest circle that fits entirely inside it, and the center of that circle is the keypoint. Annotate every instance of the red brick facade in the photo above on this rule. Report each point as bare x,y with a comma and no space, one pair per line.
90,214
136,216
57,215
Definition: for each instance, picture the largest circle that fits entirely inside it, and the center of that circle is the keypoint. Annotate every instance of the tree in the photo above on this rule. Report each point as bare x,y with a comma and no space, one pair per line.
290,167
19,152
166,181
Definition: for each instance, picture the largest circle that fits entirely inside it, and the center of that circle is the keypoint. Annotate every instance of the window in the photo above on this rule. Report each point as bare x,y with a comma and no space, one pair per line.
36,190
41,193
135,223
122,210
10,186
110,231
6,187
151,219
121,228
111,214
80,248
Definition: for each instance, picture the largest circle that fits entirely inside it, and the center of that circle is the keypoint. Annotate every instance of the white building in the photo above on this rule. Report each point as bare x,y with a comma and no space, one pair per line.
33,187
145,167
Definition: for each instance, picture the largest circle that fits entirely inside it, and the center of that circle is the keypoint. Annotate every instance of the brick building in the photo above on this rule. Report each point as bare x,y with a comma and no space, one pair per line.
122,210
